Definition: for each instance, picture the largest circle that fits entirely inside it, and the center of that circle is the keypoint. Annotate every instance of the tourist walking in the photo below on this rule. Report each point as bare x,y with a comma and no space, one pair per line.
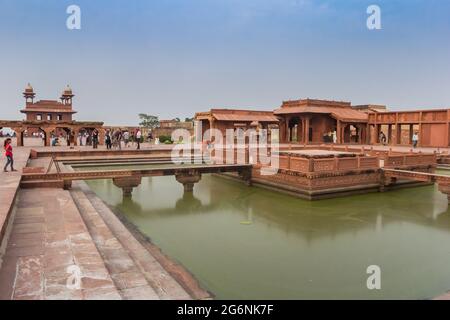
9,155
95,139
126,138
415,139
119,139
138,138
133,139
383,138
108,140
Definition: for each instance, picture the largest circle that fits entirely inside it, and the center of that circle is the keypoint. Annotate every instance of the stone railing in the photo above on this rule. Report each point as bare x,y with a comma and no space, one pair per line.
288,161
394,161
295,163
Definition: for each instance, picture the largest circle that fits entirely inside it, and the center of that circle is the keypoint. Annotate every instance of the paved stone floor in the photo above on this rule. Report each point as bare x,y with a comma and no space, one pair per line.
9,185
48,236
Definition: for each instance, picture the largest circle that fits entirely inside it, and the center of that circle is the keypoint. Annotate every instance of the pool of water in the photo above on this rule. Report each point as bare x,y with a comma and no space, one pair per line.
249,243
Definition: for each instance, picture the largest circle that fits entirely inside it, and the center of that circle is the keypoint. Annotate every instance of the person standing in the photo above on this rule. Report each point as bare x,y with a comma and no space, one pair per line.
95,139
334,134
108,140
126,138
119,139
9,155
415,139
383,138
138,138
133,138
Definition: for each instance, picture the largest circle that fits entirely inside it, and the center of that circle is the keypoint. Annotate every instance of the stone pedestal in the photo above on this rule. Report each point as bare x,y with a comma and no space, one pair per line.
445,188
246,175
127,184
188,180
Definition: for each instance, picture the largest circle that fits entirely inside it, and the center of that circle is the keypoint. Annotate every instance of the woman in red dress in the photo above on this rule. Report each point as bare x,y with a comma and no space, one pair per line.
9,155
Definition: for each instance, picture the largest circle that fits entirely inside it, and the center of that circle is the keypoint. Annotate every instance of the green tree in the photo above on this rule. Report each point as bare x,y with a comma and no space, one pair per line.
189,120
148,121
177,119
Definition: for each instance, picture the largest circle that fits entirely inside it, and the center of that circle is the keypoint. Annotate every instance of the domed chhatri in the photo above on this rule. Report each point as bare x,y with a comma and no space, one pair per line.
29,88
67,95
67,91
29,93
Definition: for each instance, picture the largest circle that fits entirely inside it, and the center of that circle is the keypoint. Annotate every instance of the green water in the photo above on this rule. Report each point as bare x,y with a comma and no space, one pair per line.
248,243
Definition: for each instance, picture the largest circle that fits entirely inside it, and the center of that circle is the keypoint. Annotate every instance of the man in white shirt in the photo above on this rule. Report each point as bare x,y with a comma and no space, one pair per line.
415,139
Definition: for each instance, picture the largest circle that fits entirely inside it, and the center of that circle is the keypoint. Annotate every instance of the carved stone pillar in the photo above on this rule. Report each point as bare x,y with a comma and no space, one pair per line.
75,132
307,138
101,136
48,136
445,188
19,135
246,175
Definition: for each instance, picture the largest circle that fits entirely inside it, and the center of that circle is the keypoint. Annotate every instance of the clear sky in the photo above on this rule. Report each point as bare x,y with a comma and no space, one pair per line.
172,58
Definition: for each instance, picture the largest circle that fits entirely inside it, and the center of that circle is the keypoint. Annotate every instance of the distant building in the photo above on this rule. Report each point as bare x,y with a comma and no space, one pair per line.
166,127
50,118
48,110
316,121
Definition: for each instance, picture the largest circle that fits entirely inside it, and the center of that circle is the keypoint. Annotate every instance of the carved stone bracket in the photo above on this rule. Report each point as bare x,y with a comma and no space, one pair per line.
127,184
188,179
246,175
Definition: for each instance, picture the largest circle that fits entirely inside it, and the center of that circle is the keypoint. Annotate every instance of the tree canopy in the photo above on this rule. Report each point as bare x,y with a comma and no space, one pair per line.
148,121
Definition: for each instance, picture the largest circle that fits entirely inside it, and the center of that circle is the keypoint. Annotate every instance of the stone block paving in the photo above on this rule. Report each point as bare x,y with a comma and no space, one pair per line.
47,239
9,184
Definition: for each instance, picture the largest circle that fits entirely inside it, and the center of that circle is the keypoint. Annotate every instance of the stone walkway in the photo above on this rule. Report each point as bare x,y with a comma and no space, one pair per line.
48,237
9,185
52,238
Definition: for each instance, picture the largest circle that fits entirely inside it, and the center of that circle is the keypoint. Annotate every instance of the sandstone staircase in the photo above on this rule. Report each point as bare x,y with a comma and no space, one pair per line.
135,271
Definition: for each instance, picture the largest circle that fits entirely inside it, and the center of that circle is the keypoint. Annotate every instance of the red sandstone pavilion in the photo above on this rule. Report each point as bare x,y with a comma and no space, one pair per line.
308,121
50,117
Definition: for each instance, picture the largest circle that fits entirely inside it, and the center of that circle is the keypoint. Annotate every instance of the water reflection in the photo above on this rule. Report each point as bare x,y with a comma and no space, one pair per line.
246,242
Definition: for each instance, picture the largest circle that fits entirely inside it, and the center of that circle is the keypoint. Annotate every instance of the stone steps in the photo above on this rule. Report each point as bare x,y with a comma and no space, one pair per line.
47,240
128,279
162,283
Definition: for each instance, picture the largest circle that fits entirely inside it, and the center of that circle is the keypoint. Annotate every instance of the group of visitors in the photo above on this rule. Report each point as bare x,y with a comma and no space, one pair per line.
415,139
57,140
115,138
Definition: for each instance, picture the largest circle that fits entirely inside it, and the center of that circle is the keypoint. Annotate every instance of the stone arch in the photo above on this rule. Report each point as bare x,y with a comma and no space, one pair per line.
32,135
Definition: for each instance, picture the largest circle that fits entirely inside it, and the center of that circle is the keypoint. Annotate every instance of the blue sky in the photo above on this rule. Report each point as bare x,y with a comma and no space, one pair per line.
172,58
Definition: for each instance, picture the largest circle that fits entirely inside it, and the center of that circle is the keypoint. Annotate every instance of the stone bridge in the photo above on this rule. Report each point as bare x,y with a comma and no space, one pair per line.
443,181
127,179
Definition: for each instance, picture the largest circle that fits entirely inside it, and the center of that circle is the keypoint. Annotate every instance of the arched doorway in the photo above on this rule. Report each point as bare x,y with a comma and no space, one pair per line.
33,137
